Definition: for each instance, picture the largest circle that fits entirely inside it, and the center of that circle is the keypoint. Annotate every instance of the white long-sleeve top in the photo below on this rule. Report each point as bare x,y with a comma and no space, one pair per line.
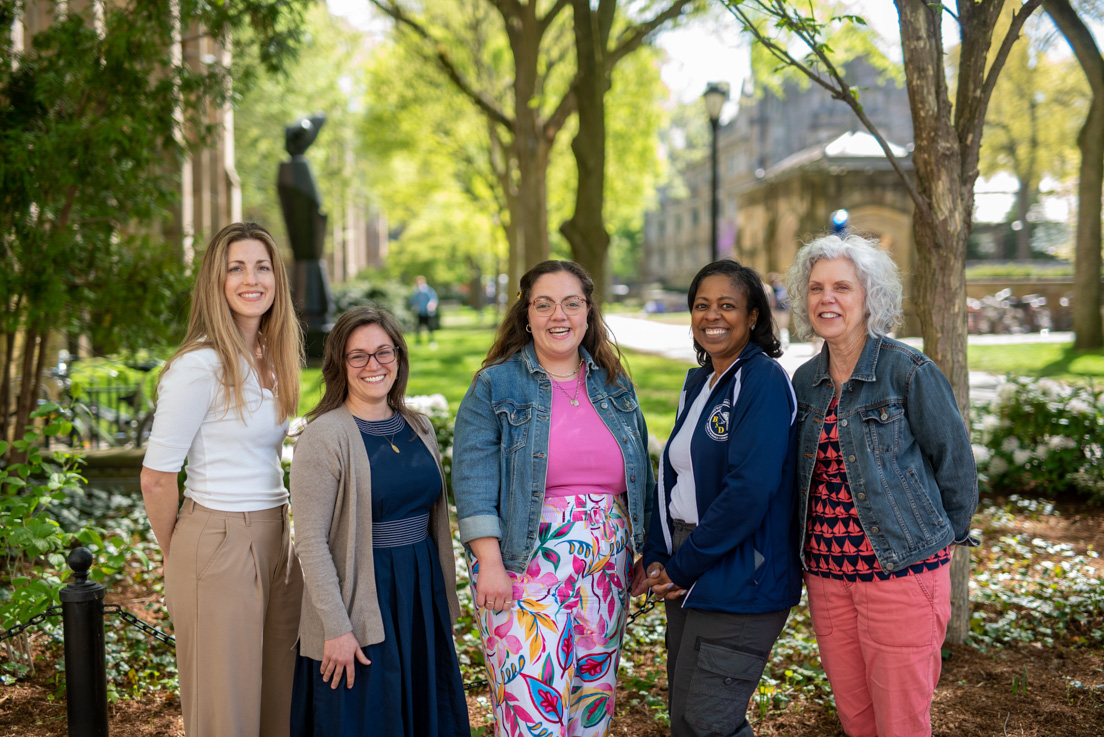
233,465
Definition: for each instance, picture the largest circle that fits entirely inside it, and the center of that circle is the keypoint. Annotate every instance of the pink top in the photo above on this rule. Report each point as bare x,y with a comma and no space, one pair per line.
583,456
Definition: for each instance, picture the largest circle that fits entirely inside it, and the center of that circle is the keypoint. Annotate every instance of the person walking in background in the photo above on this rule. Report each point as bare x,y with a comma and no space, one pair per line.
780,308
232,580
424,304
371,522
551,477
888,486
721,550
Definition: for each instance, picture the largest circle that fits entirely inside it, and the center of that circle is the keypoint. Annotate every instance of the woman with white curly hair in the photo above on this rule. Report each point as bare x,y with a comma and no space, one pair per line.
887,486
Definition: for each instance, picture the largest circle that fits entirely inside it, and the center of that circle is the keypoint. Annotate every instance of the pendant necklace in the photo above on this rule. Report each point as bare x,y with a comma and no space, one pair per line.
380,428
574,400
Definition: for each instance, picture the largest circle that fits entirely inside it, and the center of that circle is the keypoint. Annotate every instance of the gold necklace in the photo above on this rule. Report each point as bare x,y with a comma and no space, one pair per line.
573,399
365,426
563,376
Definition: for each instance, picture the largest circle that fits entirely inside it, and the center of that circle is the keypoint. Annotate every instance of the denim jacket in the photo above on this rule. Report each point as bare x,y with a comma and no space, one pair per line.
500,452
904,448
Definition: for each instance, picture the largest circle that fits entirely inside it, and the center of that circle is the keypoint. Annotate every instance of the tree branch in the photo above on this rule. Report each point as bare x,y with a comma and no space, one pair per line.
840,90
559,116
976,126
485,104
550,16
631,38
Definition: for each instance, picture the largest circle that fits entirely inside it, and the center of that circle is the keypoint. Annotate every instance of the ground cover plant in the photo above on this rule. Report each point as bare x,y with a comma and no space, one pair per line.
1033,666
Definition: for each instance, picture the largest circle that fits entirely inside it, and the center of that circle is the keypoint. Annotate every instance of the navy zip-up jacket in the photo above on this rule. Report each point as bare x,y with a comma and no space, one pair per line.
742,557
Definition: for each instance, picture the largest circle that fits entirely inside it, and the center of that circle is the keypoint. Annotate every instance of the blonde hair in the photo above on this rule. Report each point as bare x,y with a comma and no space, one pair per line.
211,324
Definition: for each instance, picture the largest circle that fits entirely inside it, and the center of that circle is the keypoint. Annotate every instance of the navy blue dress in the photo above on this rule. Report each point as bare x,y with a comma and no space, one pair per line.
413,687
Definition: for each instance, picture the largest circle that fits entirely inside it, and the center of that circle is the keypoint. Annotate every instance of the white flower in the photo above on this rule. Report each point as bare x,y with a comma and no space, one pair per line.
1010,444
1051,389
1078,406
1021,457
1060,442
1007,392
286,453
981,454
998,465
989,423
428,404
1041,450
655,447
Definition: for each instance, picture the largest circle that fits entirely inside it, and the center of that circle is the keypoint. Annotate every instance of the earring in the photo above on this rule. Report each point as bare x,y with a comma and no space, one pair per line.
528,329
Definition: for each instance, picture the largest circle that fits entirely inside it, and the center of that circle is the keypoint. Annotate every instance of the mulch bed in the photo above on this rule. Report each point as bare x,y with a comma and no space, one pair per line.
979,693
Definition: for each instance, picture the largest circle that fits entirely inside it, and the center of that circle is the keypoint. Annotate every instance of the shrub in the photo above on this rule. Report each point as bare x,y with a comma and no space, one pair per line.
1043,437
34,485
393,296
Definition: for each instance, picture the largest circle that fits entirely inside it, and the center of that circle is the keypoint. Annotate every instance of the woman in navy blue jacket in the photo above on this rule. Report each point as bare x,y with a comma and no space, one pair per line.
721,548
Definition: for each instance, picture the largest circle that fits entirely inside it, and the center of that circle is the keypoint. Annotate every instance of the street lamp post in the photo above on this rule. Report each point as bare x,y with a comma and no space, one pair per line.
716,94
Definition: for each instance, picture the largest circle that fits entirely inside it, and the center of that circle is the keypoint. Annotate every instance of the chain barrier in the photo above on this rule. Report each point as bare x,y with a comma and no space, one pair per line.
124,615
53,611
139,624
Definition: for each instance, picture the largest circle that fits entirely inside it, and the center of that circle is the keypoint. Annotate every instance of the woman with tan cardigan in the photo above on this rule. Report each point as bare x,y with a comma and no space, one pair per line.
371,528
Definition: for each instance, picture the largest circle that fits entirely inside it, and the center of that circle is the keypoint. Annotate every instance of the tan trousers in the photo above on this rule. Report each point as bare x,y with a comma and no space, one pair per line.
233,588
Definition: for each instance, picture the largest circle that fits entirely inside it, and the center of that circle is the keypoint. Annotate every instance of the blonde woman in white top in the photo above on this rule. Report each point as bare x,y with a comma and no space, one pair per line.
232,580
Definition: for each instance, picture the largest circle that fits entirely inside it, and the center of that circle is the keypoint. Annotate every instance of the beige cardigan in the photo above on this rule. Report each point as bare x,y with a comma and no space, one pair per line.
331,502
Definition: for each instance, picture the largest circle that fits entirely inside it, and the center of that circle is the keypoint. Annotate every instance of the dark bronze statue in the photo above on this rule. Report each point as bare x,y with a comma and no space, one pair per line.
306,225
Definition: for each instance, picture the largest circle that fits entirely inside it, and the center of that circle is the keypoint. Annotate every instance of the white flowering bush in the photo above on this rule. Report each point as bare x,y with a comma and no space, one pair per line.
1043,437
436,408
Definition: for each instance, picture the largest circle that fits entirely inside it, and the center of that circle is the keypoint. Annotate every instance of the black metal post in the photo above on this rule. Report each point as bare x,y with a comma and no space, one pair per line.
715,210
85,656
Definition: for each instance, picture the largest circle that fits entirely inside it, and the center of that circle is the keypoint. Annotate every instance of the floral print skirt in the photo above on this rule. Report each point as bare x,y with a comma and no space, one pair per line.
552,658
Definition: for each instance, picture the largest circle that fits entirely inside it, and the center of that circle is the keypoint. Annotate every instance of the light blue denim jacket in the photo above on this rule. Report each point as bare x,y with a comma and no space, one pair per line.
500,452
905,450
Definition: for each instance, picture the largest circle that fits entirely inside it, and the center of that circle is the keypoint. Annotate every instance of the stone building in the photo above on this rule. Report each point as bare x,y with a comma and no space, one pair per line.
210,191
785,163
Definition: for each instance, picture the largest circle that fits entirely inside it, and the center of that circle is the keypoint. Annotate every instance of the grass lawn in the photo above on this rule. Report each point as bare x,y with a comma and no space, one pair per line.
461,346
1054,360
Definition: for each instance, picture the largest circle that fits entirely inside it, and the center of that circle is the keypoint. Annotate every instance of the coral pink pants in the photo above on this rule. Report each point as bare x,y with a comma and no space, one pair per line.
880,645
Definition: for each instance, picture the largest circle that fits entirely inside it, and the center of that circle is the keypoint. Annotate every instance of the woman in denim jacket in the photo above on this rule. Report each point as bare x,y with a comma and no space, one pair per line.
551,474
887,483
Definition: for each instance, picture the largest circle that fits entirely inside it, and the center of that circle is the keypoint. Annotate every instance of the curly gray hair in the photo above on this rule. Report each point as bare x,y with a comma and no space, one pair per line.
878,276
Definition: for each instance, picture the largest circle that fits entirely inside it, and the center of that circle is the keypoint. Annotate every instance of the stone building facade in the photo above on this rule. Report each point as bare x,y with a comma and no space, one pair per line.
785,163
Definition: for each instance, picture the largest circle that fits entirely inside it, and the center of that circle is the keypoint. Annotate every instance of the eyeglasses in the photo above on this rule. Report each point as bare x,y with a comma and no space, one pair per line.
570,306
360,359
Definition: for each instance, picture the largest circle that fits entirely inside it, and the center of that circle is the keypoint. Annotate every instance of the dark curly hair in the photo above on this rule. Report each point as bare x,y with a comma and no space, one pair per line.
750,284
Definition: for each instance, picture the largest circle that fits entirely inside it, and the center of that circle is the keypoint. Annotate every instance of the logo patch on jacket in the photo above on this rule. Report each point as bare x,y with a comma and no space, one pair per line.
717,424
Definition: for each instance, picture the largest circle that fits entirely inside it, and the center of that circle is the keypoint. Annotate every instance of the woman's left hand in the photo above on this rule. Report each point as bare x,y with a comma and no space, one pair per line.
339,655
663,587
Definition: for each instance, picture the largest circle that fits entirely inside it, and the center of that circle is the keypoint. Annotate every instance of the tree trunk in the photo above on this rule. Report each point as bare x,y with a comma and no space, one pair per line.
530,148
28,384
1024,198
941,229
1087,324
586,230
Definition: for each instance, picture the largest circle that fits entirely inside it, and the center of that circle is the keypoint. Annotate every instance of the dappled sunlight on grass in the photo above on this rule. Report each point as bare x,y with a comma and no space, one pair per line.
1054,360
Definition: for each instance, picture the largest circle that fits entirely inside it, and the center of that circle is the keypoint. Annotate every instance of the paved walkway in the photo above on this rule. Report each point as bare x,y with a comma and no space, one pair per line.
673,341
